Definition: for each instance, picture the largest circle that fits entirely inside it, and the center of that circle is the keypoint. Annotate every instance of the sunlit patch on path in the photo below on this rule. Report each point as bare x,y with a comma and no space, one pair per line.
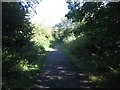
51,49
58,72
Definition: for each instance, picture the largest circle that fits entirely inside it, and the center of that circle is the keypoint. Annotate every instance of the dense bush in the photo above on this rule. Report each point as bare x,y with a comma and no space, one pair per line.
24,46
101,23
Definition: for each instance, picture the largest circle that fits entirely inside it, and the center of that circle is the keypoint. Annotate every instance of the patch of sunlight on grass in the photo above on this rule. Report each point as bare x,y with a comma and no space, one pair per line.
25,66
33,67
95,78
29,68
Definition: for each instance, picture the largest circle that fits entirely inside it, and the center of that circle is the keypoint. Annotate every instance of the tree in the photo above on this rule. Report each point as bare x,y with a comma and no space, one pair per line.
100,22
17,31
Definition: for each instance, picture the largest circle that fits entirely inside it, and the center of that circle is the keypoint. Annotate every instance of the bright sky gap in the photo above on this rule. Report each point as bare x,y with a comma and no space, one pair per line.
50,12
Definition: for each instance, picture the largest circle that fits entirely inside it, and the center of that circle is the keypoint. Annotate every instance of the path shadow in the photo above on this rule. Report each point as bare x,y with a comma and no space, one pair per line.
58,72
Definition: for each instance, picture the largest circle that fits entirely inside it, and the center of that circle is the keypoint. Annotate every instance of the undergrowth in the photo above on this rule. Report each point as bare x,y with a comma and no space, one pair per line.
78,52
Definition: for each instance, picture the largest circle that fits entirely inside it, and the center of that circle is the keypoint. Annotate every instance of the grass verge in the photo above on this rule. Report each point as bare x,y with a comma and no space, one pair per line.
25,79
98,79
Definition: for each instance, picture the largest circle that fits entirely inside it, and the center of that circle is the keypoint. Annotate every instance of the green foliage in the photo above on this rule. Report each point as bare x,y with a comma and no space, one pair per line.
63,29
24,47
69,38
95,39
42,37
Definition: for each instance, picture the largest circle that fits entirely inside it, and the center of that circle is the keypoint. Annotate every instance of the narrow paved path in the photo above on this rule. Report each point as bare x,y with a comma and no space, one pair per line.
58,72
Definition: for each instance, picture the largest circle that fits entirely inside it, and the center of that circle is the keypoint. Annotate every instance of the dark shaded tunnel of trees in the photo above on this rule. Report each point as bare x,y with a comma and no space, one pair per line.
89,35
